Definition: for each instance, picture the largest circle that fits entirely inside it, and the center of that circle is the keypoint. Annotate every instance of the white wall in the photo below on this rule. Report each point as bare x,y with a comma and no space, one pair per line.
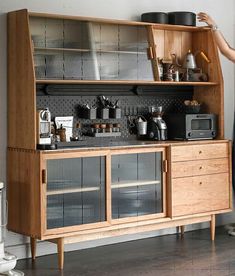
224,13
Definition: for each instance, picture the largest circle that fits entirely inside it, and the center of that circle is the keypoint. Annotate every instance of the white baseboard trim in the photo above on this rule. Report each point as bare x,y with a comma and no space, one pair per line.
22,251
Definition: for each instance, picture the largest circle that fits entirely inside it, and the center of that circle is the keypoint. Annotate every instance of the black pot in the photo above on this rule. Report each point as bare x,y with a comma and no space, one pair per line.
155,17
182,18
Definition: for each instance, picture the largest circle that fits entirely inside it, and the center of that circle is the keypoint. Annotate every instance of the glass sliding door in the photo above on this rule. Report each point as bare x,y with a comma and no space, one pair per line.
75,191
137,184
85,50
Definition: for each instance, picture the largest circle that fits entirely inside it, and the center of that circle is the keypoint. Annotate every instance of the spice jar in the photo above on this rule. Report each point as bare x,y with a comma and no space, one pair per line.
109,128
103,127
116,127
95,128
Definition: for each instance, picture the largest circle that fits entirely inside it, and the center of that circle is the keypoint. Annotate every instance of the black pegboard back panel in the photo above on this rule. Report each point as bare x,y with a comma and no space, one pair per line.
131,104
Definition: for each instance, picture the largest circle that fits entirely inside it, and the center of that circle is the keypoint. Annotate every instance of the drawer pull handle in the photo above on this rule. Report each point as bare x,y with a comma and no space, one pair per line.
200,183
200,167
200,152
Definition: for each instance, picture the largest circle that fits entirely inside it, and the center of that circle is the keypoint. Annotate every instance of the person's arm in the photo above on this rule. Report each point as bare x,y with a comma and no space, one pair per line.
222,44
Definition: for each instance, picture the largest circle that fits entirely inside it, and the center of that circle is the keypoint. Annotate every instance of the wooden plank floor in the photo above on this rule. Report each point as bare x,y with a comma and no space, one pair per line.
164,256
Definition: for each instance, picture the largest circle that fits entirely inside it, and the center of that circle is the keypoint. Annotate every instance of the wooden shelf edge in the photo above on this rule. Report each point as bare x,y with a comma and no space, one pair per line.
122,22
180,27
163,83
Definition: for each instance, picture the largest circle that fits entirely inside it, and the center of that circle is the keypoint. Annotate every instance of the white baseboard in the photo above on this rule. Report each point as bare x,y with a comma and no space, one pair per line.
22,251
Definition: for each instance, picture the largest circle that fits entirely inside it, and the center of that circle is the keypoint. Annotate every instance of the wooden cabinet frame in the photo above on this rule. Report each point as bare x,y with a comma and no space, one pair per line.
27,191
27,166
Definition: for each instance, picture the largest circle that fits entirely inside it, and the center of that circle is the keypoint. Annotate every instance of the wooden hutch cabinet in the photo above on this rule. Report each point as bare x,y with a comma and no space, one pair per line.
79,194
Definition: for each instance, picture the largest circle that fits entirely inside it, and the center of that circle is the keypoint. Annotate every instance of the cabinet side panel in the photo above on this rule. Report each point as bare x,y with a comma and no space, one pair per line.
23,192
212,101
212,98
204,41
21,83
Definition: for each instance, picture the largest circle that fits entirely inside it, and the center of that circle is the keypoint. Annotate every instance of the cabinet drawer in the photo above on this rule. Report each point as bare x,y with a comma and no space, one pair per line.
200,194
192,152
199,167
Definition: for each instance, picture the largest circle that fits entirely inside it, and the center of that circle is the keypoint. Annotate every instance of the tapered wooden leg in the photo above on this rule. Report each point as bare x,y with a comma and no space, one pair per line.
182,230
60,249
33,243
212,227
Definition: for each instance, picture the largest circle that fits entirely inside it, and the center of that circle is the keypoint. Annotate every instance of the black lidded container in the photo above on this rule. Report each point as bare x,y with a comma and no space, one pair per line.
155,17
182,18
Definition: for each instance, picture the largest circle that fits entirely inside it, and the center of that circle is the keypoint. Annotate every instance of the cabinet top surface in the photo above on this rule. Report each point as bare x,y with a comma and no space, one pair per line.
130,145
117,21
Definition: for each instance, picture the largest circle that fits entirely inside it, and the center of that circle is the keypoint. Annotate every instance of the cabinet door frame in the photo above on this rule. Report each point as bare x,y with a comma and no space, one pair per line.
43,173
164,178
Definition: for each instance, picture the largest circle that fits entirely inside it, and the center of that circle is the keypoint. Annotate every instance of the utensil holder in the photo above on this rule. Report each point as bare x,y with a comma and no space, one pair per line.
103,113
115,113
89,113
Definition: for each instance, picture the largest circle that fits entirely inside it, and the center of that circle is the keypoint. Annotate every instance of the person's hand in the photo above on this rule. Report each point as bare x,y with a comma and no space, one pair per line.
204,17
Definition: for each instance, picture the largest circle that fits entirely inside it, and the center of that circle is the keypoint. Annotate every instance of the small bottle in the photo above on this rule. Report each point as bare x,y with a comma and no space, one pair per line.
109,128
62,133
116,127
95,128
103,128
176,75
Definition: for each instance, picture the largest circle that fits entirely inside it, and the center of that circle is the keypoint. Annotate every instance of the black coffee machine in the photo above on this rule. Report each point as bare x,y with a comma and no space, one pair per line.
156,127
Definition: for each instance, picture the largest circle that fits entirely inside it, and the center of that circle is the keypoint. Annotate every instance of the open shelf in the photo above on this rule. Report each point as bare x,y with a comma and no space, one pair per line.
126,184
72,190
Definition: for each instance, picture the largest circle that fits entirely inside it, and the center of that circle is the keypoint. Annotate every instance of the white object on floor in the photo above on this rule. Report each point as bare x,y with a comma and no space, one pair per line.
7,260
13,273
231,229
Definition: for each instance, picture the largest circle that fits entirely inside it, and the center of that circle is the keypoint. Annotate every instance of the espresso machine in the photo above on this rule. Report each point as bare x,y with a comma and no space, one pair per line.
156,127
43,128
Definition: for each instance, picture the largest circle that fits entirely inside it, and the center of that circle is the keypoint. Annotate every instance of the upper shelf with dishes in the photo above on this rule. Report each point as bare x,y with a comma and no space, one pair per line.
85,50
